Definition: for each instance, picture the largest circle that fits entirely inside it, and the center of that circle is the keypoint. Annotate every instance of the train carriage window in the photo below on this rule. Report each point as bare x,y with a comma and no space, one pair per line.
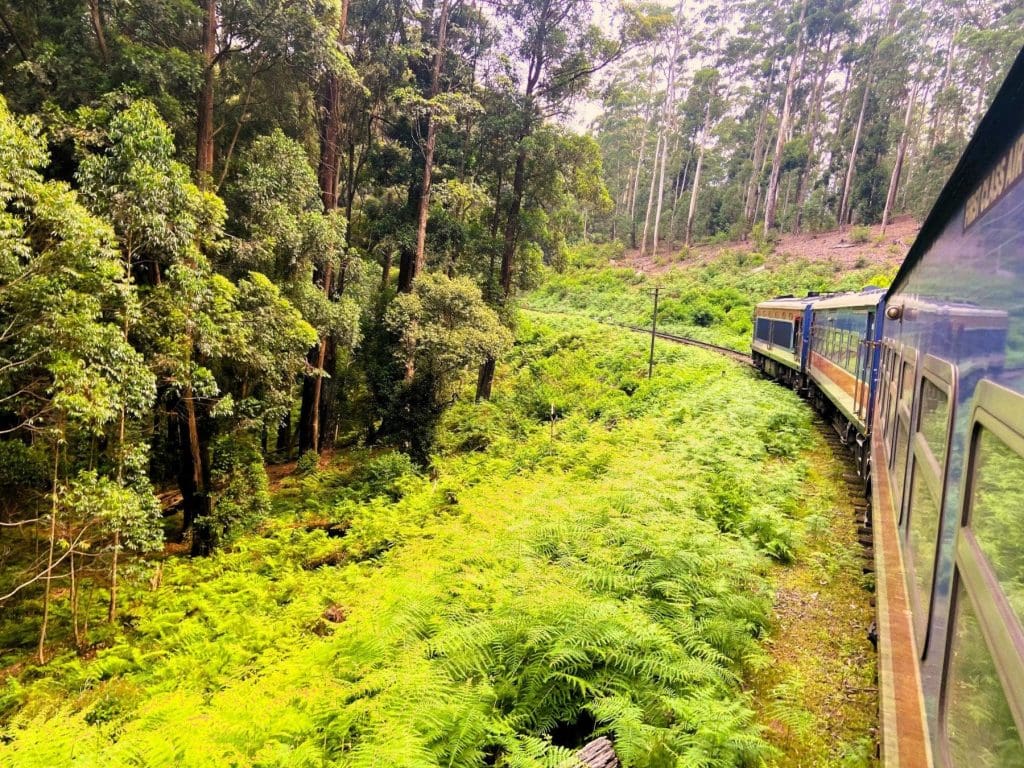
782,334
882,410
927,471
997,513
933,421
902,429
852,349
899,469
892,387
983,685
763,329
923,532
907,385
979,725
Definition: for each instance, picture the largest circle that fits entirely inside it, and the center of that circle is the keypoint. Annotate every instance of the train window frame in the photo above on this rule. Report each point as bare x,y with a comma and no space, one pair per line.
921,458
897,383
892,388
883,390
992,641
1000,411
902,419
766,319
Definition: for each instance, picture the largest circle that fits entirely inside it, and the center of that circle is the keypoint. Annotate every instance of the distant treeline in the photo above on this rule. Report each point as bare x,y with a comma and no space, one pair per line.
798,116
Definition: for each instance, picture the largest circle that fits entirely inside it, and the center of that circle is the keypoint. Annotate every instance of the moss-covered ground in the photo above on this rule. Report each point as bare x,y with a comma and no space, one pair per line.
818,698
591,552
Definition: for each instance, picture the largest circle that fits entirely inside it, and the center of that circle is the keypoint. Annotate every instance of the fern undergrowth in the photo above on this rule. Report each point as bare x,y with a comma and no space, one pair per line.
589,554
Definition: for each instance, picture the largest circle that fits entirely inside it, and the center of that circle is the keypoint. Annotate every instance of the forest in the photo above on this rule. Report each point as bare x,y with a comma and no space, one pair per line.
277,284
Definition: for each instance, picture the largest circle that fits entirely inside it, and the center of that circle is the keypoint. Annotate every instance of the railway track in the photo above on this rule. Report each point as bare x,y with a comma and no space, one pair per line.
742,357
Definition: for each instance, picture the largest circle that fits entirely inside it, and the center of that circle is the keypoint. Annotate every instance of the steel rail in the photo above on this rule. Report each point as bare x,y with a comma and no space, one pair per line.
735,354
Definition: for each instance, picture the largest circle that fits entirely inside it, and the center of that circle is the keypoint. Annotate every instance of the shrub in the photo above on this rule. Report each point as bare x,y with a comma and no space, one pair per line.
383,474
308,464
241,490
860,235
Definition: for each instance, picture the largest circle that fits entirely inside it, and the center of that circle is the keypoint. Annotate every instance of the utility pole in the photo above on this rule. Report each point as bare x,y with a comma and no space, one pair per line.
654,333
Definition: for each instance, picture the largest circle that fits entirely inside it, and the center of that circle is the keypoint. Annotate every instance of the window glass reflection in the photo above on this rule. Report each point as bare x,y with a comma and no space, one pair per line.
997,513
933,420
980,730
924,530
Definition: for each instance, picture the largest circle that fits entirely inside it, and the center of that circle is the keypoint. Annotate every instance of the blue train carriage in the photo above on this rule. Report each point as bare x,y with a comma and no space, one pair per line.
842,364
779,346
948,467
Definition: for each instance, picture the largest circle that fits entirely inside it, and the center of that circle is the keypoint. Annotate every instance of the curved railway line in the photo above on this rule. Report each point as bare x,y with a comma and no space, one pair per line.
735,354
743,357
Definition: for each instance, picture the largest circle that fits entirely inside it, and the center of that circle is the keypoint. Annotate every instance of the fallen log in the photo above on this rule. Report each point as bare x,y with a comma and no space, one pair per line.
600,753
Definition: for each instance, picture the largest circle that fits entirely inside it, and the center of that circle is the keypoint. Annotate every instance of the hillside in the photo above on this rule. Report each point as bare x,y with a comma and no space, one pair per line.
710,297
850,248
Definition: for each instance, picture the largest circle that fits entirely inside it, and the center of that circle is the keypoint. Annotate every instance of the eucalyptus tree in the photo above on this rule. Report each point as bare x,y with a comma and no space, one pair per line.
204,337
559,48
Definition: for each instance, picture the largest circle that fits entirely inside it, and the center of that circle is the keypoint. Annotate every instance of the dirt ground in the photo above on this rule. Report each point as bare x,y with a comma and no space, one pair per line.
835,246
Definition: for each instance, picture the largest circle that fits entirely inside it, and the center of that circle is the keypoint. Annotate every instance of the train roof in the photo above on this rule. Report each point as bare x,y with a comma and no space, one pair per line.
998,129
869,297
787,302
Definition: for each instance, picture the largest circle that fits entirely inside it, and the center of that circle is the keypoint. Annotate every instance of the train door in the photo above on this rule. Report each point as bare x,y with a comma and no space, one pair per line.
862,370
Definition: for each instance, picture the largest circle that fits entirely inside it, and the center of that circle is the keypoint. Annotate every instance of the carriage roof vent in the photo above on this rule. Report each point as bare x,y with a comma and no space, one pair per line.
786,296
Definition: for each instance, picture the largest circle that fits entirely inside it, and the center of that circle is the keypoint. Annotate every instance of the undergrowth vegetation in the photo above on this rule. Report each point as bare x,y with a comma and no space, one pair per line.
591,552
712,302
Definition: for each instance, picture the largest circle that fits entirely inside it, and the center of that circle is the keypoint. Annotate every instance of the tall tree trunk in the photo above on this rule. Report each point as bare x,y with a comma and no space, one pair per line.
753,185
844,95
650,192
330,156
812,141
315,409
54,508
204,126
195,492
485,379
935,133
771,201
692,214
668,118
636,183
96,17
428,152
661,197
511,242
844,202
640,159
512,224
312,388
897,168
677,192
284,437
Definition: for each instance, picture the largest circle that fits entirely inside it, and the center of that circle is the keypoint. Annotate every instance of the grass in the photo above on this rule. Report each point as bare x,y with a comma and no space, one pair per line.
589,553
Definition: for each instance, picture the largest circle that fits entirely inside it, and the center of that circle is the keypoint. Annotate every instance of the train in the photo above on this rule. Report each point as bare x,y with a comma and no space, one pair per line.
924,382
